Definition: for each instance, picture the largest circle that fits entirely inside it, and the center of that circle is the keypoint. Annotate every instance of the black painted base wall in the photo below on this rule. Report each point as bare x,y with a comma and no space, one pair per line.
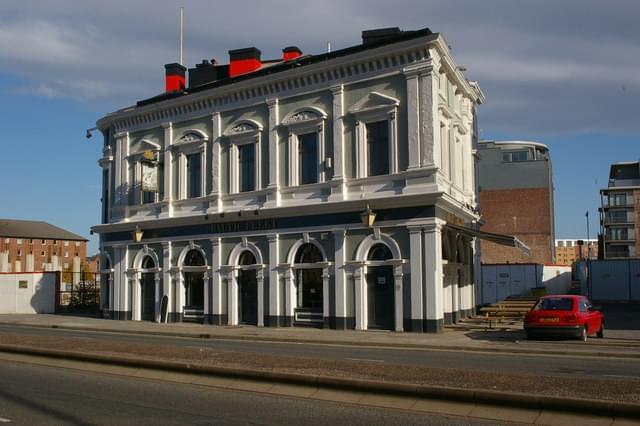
121,315
334,323
342,323
433,326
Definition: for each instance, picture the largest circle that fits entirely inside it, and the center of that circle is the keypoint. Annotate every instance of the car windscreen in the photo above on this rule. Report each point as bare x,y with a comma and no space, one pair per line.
554,304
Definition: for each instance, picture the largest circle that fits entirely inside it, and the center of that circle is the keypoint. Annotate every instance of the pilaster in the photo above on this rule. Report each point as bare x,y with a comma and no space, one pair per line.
339,238
337,181
168,169
215,204
433,294
273,196
417,284
274,281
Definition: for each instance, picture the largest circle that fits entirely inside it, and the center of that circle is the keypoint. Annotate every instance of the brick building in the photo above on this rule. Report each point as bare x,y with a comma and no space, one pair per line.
516,198
569,251
620,212
27,246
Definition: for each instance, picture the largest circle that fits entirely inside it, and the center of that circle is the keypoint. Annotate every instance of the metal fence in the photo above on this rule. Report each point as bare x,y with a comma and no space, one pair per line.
79,292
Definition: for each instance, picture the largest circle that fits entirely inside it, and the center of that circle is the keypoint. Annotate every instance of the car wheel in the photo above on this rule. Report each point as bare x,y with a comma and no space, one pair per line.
601,331
583,333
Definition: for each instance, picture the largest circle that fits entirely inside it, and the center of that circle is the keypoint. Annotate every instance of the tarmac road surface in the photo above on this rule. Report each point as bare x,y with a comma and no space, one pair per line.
31,394
550,365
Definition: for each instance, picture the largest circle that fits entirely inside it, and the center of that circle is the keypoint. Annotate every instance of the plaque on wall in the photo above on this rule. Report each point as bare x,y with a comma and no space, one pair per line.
149,177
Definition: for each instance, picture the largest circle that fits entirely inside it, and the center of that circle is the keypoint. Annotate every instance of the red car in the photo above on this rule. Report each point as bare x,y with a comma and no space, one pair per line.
564,315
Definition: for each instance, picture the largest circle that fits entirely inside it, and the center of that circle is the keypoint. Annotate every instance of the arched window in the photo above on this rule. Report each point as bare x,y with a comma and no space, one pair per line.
247,258
380,252
148,263
308,253
194,258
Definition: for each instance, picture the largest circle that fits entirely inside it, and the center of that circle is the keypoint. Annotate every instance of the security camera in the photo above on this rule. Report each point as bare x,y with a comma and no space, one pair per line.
88,135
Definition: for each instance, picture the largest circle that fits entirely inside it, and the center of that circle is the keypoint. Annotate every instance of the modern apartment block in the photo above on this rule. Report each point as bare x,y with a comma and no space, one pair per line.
333,190
569,251
28,246
516,198
620,212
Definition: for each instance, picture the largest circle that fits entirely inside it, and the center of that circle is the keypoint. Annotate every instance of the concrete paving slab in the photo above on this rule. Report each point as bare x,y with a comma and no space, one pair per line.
179,377
553,418
251,386
626,422
444,407
293,390
522,415
216,382
339,396
388,401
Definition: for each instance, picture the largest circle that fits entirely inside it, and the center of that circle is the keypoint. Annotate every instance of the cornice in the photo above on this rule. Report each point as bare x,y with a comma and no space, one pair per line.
323,75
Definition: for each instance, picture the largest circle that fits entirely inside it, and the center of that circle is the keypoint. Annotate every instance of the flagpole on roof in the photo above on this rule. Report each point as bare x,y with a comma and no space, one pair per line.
181,34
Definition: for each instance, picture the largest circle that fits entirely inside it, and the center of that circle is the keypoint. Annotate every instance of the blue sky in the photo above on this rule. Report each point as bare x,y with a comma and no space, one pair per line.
563,73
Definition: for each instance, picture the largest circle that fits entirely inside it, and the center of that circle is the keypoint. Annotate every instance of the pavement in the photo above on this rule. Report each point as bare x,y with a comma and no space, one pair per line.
617,343
388,381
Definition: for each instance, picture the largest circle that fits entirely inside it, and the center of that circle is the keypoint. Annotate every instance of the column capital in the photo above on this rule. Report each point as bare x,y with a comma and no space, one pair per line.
166,125
271,102
421,68
272,237
435,226
415,229
337,90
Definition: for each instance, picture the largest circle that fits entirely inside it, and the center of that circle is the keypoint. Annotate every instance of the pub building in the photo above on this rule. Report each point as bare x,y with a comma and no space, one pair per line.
334,190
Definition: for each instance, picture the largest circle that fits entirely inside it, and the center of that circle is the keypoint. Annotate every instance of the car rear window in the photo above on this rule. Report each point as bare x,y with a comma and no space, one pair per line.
554,304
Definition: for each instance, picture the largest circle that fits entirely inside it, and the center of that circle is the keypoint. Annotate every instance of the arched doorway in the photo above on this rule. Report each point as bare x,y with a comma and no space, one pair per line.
309,286
247,289
380,289
194,268
147,290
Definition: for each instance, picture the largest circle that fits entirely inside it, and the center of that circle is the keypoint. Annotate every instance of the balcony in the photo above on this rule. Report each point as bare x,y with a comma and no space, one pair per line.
619,220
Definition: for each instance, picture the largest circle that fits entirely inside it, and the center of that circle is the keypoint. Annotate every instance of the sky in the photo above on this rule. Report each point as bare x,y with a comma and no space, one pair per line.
564,73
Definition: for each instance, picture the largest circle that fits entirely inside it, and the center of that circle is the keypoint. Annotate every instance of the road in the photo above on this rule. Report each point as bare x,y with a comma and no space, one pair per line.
550,365
31,394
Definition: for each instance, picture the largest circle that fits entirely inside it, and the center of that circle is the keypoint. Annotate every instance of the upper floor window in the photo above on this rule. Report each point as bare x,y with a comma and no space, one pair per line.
308,158
191,162
375,131
306,146
618,199
378,148
244,156
514,156
194,175
247,167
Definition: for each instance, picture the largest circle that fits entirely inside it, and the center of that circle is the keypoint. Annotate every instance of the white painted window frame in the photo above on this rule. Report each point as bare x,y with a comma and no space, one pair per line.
241,133
191,142
301,122
375,107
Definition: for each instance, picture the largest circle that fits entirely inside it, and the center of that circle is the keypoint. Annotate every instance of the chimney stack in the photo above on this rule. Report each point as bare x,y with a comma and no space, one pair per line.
291,52
243,61
174,80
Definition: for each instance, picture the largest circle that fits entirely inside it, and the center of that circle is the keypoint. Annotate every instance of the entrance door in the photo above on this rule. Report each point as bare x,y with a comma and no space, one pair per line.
310,288
248,304
148,301
194,282
380,297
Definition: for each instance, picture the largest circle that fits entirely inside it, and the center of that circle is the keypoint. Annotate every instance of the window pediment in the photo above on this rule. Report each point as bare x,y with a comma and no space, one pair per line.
145,146
374,102
308,115
192,137
243,128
